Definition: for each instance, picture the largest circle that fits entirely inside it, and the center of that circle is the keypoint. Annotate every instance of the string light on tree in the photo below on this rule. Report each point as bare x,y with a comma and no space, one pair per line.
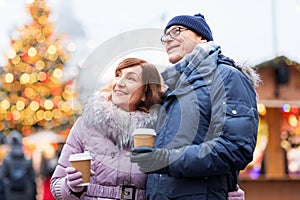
33,93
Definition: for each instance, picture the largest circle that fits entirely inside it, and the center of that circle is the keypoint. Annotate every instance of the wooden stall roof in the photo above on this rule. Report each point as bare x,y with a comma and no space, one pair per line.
275,62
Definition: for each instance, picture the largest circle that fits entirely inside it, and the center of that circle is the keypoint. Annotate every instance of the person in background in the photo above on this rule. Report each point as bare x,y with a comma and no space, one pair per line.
17,171
2,187
104,129
207,126
49,161
2,184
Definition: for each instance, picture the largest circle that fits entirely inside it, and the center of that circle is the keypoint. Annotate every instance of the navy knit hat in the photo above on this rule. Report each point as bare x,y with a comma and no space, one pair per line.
195,23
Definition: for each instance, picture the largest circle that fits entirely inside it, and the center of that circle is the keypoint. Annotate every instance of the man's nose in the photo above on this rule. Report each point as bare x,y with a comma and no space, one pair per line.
168,39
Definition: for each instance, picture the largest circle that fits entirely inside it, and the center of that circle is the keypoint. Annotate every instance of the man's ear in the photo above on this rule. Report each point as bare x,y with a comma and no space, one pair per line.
143,98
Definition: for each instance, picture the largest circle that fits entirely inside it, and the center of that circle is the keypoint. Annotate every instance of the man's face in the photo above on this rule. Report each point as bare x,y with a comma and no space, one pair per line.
180,41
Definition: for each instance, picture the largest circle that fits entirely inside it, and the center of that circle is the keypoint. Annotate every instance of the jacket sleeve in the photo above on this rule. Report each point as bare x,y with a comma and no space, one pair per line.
58,184
231,138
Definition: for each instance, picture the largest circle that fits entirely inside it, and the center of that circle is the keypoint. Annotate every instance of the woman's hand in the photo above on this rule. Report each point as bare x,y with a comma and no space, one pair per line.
73,179
239,194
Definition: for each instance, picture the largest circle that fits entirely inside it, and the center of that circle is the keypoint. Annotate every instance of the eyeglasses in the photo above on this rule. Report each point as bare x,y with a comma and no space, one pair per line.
174,32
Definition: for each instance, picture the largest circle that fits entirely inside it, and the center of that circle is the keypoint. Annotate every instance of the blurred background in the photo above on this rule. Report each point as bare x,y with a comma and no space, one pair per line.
249,31
44,45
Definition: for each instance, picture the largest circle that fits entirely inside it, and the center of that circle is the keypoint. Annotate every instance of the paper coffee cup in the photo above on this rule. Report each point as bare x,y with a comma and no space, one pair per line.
143,137
82,163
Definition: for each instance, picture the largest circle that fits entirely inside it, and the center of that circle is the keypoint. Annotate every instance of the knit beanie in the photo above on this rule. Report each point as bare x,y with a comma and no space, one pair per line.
195,23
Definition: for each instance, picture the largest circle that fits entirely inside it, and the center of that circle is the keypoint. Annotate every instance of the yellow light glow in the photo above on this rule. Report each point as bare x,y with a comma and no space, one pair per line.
34,106
48,115
52,49
29,92
57,73
69,89
25,78
40,115
52,57
9,78
261,109
57,113
49,151
39,65
65,107
32,52
5,104
42,76
33,78
13,108
16,60
16,114
48,104
29,121
20,105
40,38
293,121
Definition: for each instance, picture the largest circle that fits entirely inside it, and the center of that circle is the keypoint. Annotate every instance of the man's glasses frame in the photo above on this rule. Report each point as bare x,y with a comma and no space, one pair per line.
173,33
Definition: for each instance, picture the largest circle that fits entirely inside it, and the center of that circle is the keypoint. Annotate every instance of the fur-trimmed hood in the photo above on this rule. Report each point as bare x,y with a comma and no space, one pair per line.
113,122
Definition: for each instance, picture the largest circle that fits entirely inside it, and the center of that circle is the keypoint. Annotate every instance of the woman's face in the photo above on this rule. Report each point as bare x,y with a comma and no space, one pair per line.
127,88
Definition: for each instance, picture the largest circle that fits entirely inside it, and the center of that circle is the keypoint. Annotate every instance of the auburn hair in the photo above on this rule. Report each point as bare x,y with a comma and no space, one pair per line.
151,79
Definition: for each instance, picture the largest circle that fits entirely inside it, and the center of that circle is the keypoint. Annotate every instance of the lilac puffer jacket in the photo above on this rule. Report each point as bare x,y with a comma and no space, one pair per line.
105,131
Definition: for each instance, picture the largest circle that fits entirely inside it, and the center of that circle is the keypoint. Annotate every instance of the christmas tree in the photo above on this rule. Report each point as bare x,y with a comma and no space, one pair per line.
33,93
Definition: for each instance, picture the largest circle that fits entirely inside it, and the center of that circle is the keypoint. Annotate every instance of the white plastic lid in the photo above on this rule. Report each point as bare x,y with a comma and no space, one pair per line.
80,156
144,131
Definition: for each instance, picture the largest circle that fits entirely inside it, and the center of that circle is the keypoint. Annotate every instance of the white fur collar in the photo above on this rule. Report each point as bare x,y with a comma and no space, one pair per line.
113,122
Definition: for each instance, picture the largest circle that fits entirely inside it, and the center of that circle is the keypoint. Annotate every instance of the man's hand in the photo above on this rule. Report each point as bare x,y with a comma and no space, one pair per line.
151,160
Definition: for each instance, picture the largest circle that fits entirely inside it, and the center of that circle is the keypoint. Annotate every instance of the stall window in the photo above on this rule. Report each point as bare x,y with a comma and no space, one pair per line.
256,168
290,135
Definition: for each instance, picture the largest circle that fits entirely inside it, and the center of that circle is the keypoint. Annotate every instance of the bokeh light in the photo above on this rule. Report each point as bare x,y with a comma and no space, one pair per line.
286,108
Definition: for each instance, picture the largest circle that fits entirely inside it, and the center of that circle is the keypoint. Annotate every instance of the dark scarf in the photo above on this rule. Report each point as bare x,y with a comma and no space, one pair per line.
204,58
